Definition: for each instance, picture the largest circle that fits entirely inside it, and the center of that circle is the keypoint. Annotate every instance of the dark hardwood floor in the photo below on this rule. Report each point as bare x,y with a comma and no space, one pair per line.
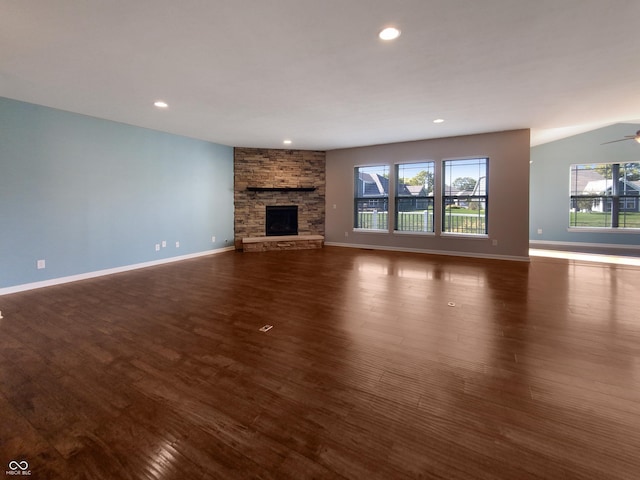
368,372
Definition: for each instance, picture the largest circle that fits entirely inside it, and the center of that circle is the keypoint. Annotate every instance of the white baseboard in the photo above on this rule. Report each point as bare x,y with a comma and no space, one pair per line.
571,245
433,252
109,271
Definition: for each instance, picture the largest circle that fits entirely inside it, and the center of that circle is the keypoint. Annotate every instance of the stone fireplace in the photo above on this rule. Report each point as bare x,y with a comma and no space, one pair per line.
266,178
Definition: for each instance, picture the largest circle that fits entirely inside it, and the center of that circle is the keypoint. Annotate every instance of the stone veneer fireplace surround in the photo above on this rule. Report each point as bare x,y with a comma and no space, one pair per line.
272,177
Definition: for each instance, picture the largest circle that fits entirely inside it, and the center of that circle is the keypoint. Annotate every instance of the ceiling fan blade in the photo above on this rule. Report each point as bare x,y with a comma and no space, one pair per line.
621,140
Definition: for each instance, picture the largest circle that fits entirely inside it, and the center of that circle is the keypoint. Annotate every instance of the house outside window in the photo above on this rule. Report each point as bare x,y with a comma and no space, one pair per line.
414,197
605,195
465,196
371,199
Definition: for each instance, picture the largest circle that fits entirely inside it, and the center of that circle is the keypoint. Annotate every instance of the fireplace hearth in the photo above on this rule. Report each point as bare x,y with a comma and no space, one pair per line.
282,220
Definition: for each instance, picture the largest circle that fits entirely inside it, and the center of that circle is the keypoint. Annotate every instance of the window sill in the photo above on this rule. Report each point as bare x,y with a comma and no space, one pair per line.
470,236
370,230
634,231
412,232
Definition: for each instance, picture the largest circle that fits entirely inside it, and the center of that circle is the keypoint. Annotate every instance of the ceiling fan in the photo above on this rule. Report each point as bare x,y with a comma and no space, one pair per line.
635,137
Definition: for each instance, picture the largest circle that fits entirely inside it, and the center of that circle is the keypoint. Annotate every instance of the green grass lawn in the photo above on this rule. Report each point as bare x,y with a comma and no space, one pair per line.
603,220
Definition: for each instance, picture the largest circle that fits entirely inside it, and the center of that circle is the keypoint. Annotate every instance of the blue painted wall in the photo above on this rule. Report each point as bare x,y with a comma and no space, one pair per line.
550,178
87,194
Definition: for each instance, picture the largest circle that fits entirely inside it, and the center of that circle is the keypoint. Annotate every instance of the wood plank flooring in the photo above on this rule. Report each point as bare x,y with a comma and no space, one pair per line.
533,372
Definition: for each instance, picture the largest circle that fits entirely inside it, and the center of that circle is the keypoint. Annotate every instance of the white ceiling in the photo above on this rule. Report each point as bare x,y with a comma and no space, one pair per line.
254,72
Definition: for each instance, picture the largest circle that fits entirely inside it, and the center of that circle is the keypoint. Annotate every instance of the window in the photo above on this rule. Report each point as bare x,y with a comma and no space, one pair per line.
464,197
414,197
371,198
605,195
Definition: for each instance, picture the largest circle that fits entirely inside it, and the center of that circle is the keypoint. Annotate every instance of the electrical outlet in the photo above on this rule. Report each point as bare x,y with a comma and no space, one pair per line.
213,239
157,247
494,243
539,231
177,244
40,264
164,244
346,234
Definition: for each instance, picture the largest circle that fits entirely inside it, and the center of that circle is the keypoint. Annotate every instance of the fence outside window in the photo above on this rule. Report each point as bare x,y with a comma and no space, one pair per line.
422,221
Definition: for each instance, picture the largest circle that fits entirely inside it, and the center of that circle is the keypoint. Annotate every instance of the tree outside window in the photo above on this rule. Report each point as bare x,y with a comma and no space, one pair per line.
465,196
605,195
414,197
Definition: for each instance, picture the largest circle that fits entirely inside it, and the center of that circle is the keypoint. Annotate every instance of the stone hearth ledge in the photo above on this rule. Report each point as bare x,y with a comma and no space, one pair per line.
284,242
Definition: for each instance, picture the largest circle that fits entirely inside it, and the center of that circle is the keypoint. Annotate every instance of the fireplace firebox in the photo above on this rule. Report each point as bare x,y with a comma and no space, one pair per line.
282,220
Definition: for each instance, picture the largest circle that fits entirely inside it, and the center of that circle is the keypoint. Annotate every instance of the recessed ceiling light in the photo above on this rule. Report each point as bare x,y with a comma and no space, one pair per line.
287,142
161,104
438,120
389,33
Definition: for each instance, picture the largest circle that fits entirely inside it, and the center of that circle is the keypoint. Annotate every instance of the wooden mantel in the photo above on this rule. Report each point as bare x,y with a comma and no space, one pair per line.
281,189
